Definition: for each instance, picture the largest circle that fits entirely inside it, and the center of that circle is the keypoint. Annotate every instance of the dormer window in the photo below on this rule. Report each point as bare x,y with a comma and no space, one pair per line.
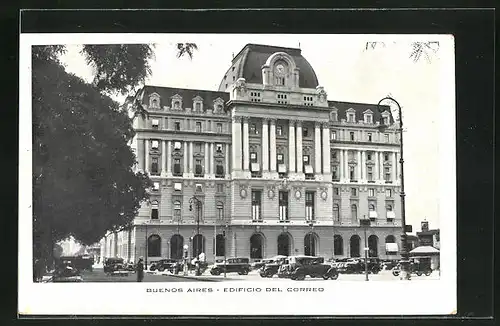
280,71
176,102
368,118
351,117
154,101
197,106
333,116
177,105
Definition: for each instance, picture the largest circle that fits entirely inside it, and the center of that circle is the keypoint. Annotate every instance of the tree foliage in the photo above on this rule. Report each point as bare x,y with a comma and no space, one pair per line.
84,183
418,49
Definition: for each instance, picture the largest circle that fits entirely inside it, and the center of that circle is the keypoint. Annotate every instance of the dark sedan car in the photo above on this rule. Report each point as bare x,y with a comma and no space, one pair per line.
162,265
232,265
302,266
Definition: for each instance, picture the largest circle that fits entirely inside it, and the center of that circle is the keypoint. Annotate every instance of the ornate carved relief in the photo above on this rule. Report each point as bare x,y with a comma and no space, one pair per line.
320,92
241,87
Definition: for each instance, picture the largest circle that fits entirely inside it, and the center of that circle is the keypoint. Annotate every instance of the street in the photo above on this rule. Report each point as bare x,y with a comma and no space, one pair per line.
98,275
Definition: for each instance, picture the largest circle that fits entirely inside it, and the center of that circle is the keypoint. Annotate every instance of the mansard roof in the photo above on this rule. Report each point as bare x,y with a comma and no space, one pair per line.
359,109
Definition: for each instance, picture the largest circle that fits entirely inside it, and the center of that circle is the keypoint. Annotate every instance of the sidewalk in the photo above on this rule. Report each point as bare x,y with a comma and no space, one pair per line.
207,278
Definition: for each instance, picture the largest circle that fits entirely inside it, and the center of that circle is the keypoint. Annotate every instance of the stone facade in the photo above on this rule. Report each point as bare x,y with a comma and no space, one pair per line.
277,168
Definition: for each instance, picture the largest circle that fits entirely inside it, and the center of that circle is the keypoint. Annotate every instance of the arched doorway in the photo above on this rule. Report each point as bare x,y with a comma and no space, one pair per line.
338,245
154,246
176,246
198,244
220,245
373,246
310,244
256,246
354,246
284,244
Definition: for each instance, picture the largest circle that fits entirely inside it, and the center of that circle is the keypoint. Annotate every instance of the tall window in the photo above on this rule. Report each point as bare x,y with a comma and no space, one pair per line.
310,205
338,245
220,188
386,157
280,159
369,136
305,132
177,210
336,212
283,206
219,169
154,165
368,118
154,144
256,244
369,156
354,212
336,191
351,135
334,173
198,168
154,210
388,192
256,205
354,192
253,129
371,211
333,135
177,167
280,81
219,128
177,126
350,117
198,126
387,174
155,123
371,192
154,246
218,148
352,173
369,173
220,211
279,130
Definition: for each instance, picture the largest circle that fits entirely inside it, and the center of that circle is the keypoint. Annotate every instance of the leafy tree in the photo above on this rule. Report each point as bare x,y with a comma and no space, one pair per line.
418,49
83,179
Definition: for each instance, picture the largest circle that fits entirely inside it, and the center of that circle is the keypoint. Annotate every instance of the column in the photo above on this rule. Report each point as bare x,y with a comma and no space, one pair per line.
185,161
207,160
191,159
211,159
272,143
265,146
164,158
358,176
317,148
169,157
147,143
341,165
377,166
346,165
246,144
226,157
326,149
363,165
300,160
291,146
394,167
236,144
381,166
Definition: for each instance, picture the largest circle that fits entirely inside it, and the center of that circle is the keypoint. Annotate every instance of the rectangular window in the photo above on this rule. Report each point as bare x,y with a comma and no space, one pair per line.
256,205
177,167
177,145
334,155
386,137
352,173
279,130
386,120
369,173
253,157
219,169
283,206
388,192
336,191
156,186
155,144
154,212
310,205
155,123
178,186
333,135
335,176
350,117
198,187
177,126
218,148
369,156
154,165
197,147
371,192
220,187
369,136
334,116
351,135
354,192
368,118
387,174
253,129
219,128
279,159
386,157
305,159
198,126
305,132
198,168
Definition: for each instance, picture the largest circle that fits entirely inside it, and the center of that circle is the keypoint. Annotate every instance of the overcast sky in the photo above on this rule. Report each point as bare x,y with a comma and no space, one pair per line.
347,71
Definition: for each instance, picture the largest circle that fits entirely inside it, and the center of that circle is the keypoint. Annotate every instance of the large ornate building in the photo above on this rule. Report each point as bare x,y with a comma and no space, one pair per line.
273,166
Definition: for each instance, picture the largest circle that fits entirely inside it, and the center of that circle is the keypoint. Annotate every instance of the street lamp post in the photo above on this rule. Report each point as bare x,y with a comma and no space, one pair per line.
404,247
146,248
225,245
365,223
311,226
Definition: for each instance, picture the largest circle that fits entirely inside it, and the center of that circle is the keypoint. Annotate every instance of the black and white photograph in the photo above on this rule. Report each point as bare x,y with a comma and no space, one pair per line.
263,170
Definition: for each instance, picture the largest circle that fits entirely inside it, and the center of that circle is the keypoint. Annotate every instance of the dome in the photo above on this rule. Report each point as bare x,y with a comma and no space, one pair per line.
249,61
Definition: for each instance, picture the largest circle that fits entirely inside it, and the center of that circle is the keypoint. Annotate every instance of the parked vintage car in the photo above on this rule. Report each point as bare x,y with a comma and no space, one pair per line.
162,265
65,273
357,265
116,267
81,262
259,263
272,266
416,267
302,266
232,265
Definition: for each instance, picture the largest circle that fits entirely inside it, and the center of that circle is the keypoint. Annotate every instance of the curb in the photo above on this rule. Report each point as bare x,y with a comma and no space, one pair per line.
193,278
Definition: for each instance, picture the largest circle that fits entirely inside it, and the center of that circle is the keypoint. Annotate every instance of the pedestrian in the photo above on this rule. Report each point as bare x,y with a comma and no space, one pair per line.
140,270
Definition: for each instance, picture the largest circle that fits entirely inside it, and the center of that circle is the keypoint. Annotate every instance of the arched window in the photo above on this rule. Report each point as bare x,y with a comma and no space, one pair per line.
336,213
373,246
354,212
338,245
390,239
176,246
154,246
220,245
198,244
310,242
355,246
177,105
284,245
177,210
371,207
256,244
220,211
154,210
